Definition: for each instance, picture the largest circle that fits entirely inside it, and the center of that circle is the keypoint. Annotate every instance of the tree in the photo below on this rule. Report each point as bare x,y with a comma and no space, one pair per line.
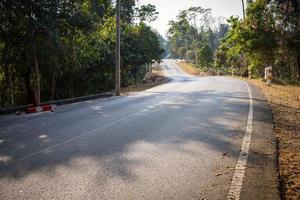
254,37
288,13
147,13
204,57
269,35
69,46
191,33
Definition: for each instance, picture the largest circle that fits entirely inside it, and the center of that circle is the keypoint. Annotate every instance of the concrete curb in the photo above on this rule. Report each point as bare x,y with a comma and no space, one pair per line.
48,107
57,102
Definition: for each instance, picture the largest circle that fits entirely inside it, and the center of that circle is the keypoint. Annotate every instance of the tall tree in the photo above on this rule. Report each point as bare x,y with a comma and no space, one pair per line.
67,48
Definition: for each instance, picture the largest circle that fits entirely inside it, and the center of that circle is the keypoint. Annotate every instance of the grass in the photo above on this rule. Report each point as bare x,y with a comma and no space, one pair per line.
189,68
194,70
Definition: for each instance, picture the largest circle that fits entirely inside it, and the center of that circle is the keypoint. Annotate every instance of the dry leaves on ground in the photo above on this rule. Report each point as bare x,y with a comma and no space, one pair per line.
285,103
151,80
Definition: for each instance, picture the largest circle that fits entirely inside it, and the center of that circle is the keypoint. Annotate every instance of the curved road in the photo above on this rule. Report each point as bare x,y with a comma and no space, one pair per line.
180,140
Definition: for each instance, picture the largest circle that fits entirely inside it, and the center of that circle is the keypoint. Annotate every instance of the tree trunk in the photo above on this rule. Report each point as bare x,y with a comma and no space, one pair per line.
298,64
53,86
28,88
9,84
243,5
11,91
8,79
36,64
71,87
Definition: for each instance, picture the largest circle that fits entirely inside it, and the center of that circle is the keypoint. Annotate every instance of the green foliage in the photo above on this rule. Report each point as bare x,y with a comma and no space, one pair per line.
221,56
204,56
269,35
190,55
193,38
136,43
147,13
164,45
72,43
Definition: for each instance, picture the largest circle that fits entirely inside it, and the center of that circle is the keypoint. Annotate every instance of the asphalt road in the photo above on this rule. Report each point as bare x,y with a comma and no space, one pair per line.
180,140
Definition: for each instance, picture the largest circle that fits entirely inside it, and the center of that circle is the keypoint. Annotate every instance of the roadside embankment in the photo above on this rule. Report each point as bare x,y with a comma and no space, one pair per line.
150,80
192,69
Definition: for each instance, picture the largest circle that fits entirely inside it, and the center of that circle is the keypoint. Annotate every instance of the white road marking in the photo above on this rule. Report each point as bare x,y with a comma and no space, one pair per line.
240,168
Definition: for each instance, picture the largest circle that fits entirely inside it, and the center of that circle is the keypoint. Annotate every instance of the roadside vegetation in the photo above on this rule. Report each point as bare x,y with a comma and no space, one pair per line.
193,69
195,35
153,78
65,49
189,68
268,36
285,103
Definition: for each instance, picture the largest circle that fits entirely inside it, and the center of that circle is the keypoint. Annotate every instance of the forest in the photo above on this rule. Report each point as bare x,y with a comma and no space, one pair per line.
66,48
268,35
195,35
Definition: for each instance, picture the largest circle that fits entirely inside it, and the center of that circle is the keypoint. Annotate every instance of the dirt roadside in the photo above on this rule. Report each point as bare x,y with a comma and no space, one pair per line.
285,103
151,79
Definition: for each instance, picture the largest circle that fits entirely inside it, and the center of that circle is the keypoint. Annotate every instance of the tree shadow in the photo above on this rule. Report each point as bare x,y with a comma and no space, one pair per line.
215,119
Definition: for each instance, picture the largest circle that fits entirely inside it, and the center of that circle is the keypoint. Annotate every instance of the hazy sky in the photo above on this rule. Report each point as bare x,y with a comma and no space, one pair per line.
168,9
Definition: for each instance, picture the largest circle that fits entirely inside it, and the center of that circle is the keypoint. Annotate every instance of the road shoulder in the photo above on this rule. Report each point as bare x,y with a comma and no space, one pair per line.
284,99
261,178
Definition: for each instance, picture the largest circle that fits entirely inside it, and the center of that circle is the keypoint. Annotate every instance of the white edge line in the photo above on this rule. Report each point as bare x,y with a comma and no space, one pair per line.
240,167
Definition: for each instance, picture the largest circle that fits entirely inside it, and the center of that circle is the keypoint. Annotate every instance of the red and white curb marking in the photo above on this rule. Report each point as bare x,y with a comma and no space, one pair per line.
240,167
41,108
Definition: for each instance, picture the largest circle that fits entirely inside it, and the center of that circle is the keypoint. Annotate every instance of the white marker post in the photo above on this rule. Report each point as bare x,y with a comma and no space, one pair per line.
268,75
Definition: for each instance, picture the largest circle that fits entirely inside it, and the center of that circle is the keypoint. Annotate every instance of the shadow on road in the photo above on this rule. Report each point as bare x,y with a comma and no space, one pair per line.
206,118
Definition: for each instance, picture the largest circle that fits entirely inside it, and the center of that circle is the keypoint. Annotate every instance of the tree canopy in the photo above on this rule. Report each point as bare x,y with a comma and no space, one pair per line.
194,36
69,47
269,35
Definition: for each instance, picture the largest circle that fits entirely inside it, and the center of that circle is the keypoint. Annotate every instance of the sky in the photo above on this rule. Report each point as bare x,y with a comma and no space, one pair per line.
169,9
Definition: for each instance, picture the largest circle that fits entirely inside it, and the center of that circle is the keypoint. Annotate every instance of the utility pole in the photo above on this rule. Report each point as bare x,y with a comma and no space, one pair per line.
38,92
243,4
244,55
118,54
